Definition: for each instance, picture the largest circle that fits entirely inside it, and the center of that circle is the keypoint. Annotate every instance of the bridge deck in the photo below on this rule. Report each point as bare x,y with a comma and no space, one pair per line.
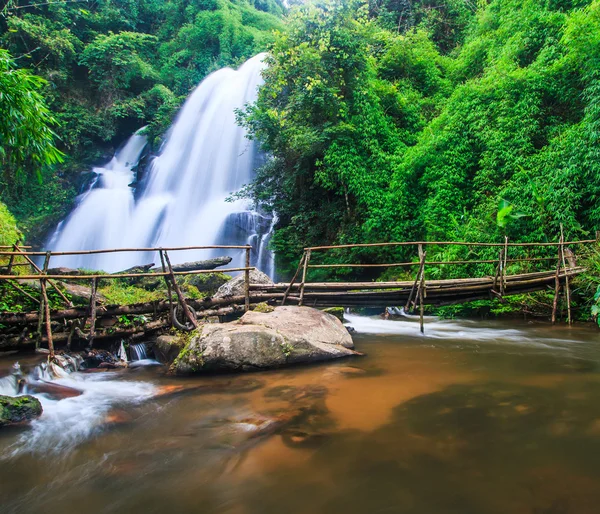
436,292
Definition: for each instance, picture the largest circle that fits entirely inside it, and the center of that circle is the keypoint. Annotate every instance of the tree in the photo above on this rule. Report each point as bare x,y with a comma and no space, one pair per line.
26,135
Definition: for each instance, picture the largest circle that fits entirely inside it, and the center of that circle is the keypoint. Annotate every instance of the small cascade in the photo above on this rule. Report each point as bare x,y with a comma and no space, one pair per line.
75,405
185,199
138,352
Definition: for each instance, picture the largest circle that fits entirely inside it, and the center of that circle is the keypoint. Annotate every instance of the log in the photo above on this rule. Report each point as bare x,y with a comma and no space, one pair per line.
17,342
142,268
207,264
64,271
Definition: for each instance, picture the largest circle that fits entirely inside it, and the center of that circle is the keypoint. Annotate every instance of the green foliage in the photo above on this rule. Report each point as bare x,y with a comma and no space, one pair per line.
9,233
109,68
118,292
26,136
473,121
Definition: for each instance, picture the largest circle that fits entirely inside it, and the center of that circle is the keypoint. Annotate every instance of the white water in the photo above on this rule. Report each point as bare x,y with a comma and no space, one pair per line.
138,352
206,158
97,220
67,422
464,331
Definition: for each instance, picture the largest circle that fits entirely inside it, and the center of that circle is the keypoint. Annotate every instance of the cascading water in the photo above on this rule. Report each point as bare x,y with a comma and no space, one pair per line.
205,158
75,405
96,221
138,352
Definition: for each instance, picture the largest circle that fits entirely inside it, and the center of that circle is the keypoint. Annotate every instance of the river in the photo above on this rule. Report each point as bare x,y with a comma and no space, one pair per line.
474,417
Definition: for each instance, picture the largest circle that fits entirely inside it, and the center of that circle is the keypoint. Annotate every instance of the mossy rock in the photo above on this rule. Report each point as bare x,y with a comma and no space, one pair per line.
338,312
263,307
18,409
206,283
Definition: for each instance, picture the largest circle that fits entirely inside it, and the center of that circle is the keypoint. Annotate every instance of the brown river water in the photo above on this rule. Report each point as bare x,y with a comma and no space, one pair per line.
474,417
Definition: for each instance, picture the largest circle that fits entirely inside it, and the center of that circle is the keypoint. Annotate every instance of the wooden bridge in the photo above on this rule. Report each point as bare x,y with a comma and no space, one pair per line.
542,266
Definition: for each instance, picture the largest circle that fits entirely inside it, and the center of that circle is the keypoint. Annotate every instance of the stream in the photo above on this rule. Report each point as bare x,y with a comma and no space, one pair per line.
473,417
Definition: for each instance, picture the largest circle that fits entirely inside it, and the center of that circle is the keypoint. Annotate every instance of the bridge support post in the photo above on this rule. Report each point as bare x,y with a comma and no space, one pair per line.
45,310
93,312
421,292
304,270
184,306
564,266
247,282
556,286
290,285
168,283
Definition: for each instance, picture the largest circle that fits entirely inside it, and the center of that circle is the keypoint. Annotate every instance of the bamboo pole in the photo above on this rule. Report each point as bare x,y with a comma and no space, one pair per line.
46,306
289,287
42,310
461,243
118,250
567,288
22,291
169,293
556,285
12,259
428,263
504,265
118,276
422,295
93,312
54,286
405,284
414,286
247,282
306,261
179,294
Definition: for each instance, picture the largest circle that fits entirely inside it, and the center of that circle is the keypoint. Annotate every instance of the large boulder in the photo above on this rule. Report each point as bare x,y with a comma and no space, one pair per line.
263,340
17,409
235,287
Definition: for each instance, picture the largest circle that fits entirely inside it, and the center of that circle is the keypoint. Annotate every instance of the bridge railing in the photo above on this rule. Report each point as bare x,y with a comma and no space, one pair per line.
562,258
15,253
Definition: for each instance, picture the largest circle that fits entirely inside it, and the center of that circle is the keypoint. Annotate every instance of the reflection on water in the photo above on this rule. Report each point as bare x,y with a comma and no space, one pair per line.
472,417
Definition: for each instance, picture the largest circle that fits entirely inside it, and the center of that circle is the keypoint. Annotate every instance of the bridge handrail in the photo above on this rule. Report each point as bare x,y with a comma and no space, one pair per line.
462,243
115,250
119,275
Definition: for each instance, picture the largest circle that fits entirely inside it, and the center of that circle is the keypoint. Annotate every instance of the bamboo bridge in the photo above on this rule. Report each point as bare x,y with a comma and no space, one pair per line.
558,263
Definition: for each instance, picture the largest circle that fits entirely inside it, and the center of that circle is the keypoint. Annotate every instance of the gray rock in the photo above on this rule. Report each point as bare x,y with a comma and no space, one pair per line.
18,409
259,340
235,287
167,348
207,283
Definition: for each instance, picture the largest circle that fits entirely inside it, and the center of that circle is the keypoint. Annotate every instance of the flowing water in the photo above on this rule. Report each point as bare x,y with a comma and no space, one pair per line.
183,200
474,417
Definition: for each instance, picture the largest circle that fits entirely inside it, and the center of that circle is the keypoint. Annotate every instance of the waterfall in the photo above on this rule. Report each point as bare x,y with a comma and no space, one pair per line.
138,352
205,158
96,221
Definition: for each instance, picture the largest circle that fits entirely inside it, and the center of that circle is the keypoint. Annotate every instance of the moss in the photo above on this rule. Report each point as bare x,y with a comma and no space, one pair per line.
192,356
263,307
338,312
18,409
117,293
203,284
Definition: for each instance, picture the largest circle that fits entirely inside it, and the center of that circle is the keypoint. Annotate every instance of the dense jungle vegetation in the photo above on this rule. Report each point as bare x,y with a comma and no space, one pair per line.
446,120
103,69
385,120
